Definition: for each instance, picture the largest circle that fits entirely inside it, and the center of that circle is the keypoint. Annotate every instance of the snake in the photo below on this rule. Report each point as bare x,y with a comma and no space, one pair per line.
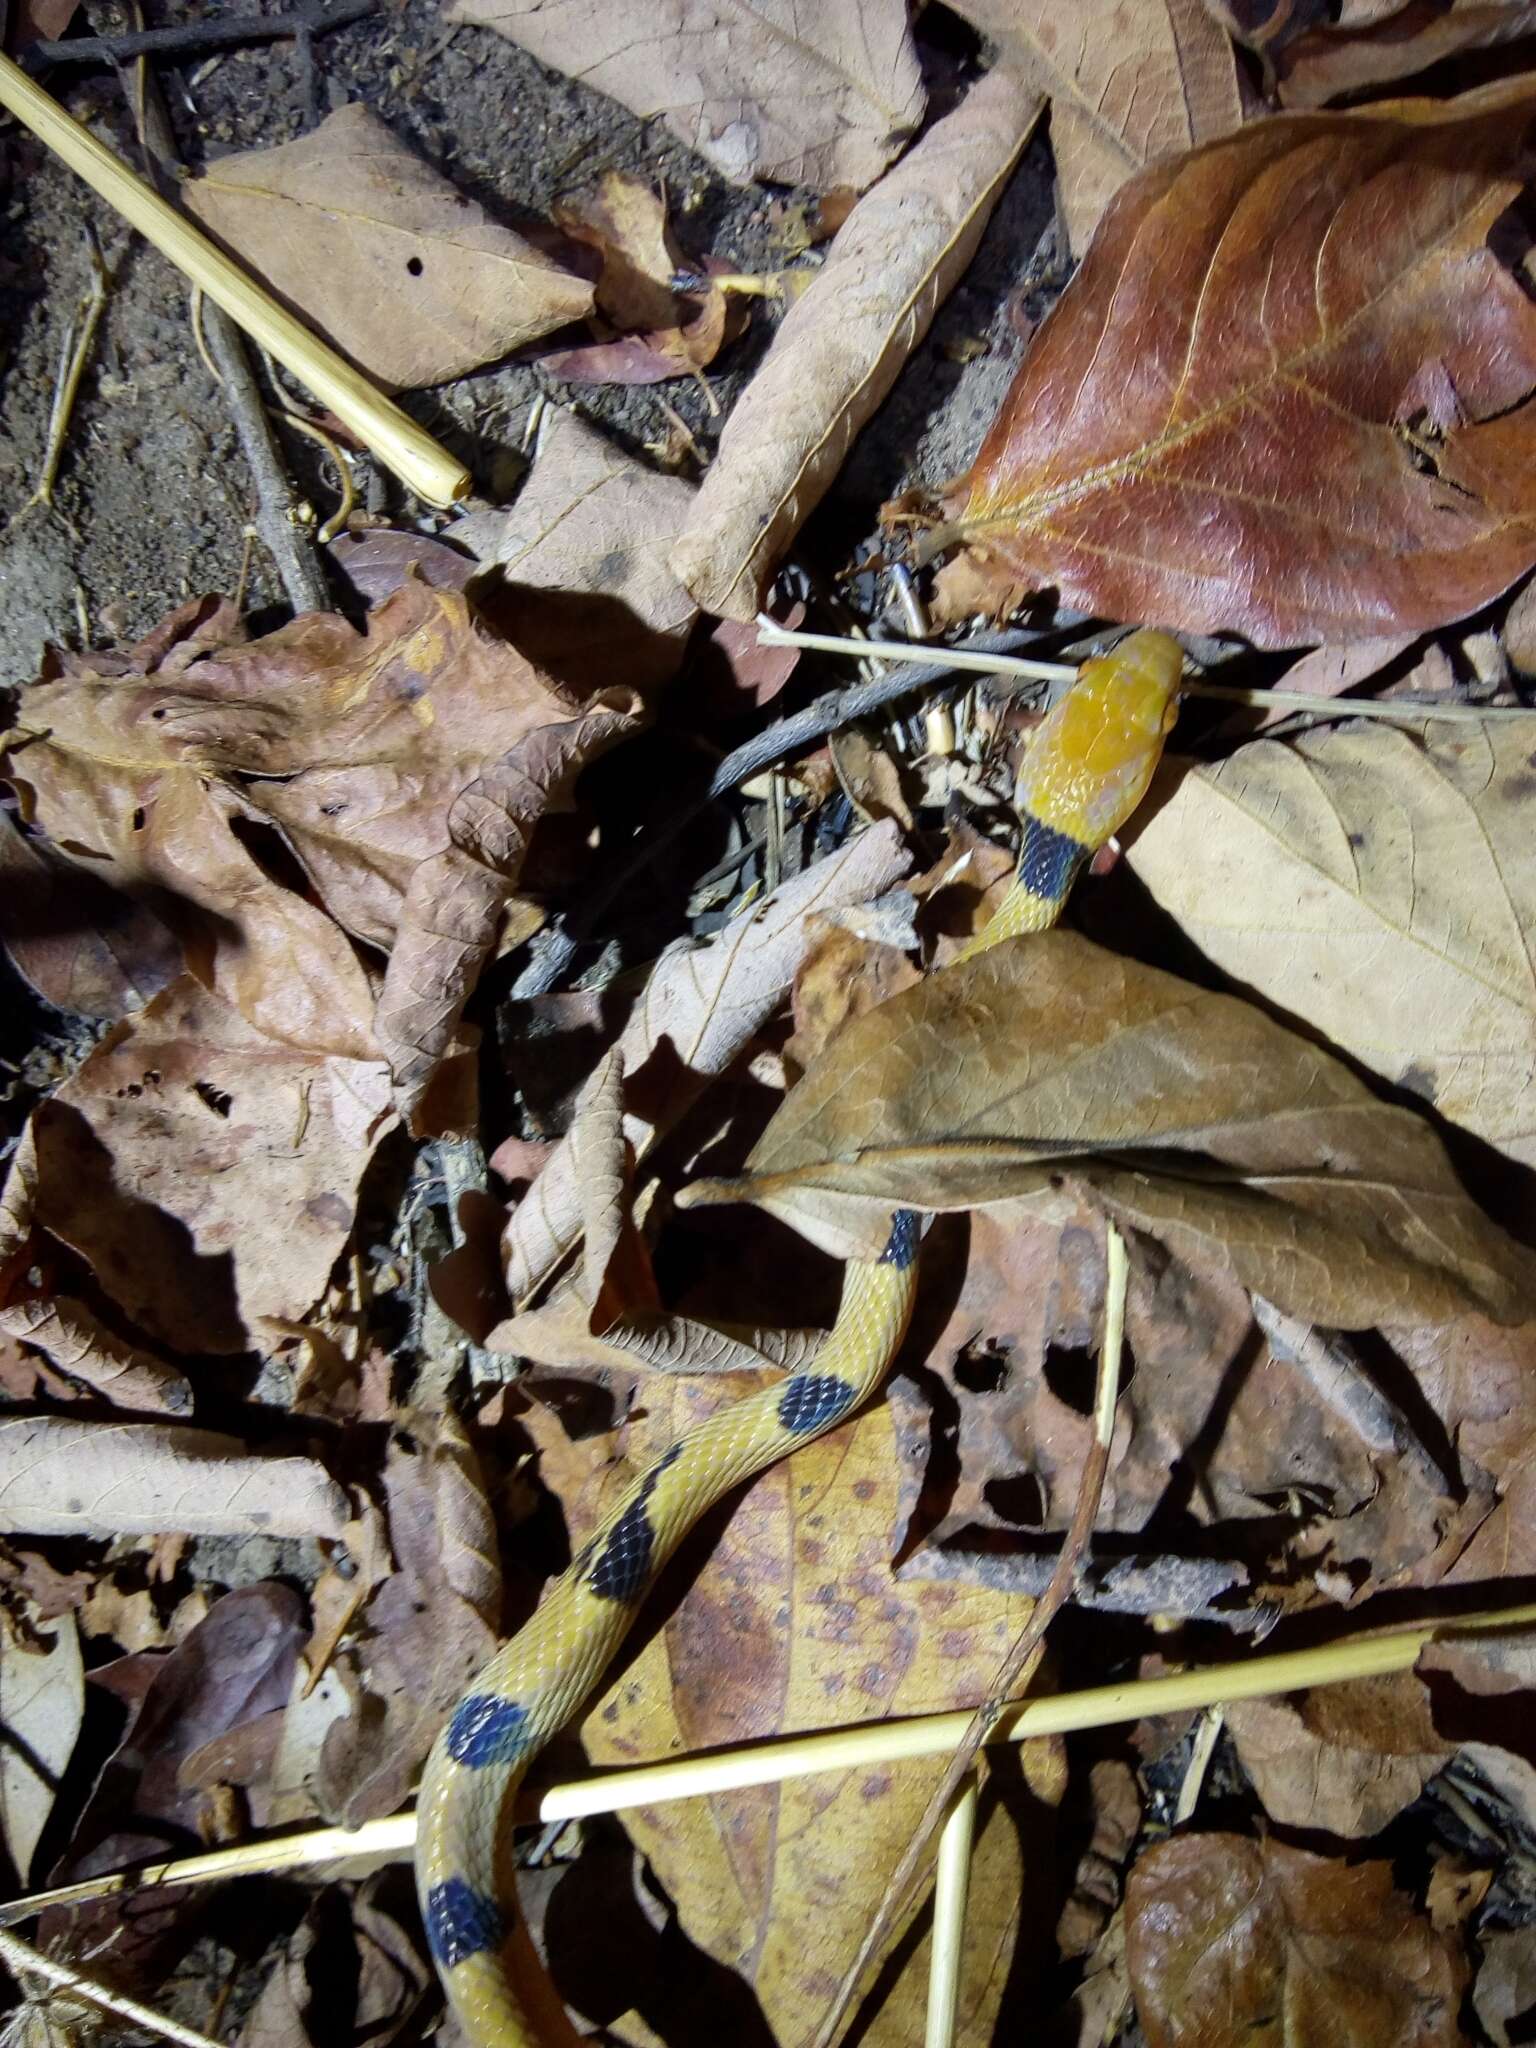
1085,770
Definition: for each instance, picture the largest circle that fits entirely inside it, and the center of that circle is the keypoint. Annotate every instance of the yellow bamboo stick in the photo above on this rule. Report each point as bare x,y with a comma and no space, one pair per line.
394,437
951,1890
800,1756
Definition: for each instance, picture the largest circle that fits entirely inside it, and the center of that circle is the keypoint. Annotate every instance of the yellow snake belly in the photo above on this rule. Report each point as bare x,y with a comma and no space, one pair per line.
1085,771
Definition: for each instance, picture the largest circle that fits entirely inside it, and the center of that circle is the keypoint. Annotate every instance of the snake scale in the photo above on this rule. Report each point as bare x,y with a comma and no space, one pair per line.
1085,771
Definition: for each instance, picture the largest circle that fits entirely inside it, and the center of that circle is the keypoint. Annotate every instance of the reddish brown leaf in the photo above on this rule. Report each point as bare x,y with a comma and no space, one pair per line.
1284,394
1231,1940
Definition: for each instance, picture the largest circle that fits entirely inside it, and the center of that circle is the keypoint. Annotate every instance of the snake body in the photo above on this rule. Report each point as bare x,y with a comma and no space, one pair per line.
1086,770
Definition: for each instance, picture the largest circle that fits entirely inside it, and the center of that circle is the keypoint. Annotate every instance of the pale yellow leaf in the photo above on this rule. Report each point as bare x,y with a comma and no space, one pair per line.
42,1703
403,273
1380,888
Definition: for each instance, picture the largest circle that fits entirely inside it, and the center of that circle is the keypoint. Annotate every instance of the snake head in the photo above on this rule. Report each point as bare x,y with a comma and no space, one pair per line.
1090,760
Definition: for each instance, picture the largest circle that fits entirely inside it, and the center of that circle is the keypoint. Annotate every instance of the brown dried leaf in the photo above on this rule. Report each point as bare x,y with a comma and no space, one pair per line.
350,1972
701,1007
1381,888
407,276
76,1342
1504,1994
426,1629
843,343
208,1176
42,1703
1128,83
1382,43
824,97
1282,396
1231,1940
1343,1759
583,555
81,946
1187,1115
64,1478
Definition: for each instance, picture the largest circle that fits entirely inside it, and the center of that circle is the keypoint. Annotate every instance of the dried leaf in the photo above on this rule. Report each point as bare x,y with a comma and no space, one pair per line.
795,1623
81,946
76,1342
427,1628
62,1478
843,343
350,1972
42,1703
821,98
1381,888
1344,1759
208,1176
1191,1116
701,1006
1230,1940
1389,42
583,553
1505,1992
403,273
1317,298
1128,83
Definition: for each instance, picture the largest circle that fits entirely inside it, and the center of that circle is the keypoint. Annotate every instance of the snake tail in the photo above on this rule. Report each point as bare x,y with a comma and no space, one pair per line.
1087,767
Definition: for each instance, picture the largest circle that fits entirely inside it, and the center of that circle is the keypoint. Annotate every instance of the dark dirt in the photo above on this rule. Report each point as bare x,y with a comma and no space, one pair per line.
153,497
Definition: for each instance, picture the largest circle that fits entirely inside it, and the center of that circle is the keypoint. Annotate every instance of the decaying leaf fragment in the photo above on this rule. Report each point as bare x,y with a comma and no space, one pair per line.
821,96
582,551
1372,42
1046,1062
1128,81
42,1703
1232,1940
1286,395
404,274
843,343
1380,886
65,1478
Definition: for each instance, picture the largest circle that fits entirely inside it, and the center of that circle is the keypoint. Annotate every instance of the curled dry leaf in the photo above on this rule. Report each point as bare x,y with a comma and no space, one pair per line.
795,1624
64,1478
42,1703
583,556
207,1175
403,273
1128,83
1380,44
662,332
1380,887
843,343
1231,1940
1046,1062
701,1006
822,97
404,767
81,946
1283,395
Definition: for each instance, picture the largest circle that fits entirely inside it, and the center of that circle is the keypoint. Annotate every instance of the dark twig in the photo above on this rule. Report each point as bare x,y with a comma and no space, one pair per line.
829,712
193,38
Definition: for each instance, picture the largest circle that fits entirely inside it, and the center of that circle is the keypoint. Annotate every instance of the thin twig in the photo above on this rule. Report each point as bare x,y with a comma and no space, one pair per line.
1019,1666
191,38
1410,708
76,353
839,1749
19,1956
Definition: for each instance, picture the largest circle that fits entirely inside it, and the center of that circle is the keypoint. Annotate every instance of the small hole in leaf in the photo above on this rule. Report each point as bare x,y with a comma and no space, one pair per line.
138,817
1019,1499
215,1098
414,265
980,1372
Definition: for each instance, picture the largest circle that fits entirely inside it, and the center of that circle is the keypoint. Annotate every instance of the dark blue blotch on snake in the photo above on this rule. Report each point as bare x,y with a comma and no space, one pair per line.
813,1399
901,1245
487,1730
461,1922
623,1565
1048,859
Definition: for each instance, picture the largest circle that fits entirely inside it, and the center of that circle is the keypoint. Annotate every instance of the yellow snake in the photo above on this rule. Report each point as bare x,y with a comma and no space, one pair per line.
1086,770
